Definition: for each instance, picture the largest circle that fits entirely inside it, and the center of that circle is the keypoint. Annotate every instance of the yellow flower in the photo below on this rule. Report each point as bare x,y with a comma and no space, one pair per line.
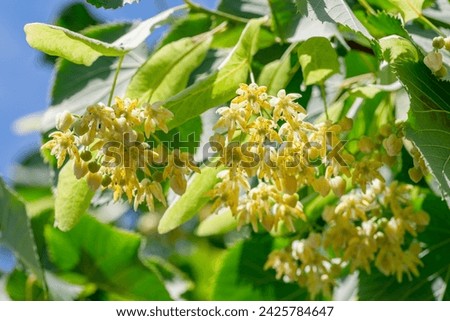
362,247
262,129
61,145
155,116
147,191
366,171
127,109
354,207
252,97
178,166
285,108
98,118
231,118
284,265
64,121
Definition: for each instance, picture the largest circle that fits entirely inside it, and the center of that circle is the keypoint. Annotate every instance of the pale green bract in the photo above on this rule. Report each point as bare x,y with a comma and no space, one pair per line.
73,197
188,205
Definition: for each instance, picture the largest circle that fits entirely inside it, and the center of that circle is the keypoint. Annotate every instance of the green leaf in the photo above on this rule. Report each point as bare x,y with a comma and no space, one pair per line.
108,257
277,74
245,8
285,17
436,262
368,92
428,119
193,24
73,197
231,35
220,86
110,4
15,231
242,277
217,224
80,49
19,288
318,59
409,9
167,71
396,47
61,42
62,252
84,17
188,205
334,11
383,24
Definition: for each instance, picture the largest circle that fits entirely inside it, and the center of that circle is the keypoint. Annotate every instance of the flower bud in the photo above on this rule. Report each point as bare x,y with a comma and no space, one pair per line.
94,180
86,155
346,124
385,130
313,154
415,174
64,120
178,184
321,186
338,186
290,184
447,43
438,42
366,145
106,180
80,169
80,127
94,167
393,145
433,61
290,200
441,73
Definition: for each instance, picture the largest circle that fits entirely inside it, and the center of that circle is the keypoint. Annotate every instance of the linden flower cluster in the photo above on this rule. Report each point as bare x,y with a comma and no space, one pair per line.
434,59
270,151
377,226
108,146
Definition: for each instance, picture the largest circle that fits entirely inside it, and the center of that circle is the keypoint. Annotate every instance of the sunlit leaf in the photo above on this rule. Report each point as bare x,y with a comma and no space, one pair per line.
318,59
410,9
221,85
167,71
334,11
396,47
80,49
277,74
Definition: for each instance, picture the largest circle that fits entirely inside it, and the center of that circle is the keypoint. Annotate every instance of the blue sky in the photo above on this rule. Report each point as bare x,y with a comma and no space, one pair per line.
24,80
